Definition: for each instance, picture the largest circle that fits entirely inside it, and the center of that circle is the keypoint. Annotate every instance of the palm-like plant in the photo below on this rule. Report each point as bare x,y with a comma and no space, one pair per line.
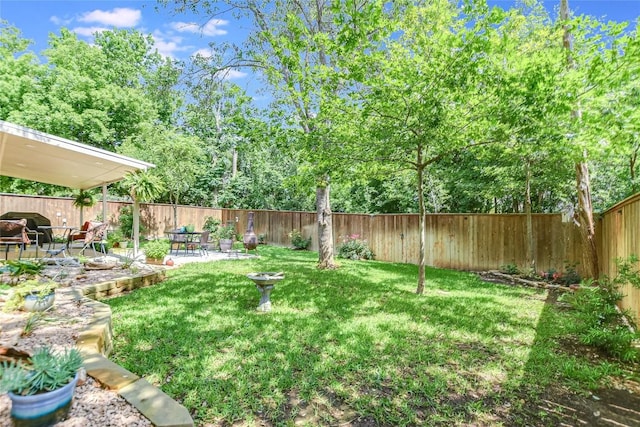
142,187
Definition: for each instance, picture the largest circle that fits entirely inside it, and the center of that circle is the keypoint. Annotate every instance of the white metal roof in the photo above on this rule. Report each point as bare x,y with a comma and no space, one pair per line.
37,156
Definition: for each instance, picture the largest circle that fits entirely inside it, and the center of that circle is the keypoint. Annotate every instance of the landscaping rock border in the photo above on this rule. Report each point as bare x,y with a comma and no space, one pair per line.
96,343
111,396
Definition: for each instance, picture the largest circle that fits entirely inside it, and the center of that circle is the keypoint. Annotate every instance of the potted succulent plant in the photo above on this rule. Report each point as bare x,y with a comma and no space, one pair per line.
41,387
28,289
31,295
156,250
37,296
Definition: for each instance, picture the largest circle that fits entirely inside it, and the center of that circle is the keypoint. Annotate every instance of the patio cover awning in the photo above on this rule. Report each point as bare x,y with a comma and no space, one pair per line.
36,156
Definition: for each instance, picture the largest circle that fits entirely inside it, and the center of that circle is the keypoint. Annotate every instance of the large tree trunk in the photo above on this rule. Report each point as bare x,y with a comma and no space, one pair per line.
584,220
531,261
584,212
325,225
234,163
423,234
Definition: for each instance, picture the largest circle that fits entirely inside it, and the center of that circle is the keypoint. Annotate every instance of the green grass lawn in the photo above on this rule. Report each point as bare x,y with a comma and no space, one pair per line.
354,344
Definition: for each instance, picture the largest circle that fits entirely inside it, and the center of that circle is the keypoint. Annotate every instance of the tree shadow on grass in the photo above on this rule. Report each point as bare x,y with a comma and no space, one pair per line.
562,381
353,345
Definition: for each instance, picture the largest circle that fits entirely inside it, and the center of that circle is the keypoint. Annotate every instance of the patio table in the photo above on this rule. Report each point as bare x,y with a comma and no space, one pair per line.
63,232
190,240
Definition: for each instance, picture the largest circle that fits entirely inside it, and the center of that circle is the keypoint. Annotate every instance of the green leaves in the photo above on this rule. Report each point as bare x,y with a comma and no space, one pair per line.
48,371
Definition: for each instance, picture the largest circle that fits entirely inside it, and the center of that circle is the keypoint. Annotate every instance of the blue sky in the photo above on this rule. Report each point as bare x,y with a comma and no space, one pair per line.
184,35
175,36
180,36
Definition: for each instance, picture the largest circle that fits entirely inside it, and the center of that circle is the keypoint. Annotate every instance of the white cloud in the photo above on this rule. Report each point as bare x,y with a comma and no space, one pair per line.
230,74
205,53
60,21
118,17
168,45
211,28
185,27
172,43
88,31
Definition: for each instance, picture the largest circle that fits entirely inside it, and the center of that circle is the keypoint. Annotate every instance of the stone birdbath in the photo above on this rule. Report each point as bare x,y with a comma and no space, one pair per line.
265,281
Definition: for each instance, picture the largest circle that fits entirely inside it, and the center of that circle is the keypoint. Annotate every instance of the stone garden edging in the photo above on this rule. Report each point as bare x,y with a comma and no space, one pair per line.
96,343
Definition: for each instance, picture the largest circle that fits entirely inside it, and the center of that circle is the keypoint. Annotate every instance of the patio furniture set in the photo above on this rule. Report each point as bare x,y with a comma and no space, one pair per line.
59,241
15,233
188,242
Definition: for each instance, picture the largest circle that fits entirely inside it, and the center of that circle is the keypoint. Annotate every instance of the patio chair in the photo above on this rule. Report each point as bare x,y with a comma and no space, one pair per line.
93,235
201,245
177,238
13,232
79,234
35,238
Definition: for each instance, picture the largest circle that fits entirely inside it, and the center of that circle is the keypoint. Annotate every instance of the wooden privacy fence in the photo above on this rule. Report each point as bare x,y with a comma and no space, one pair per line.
619,237
457,241
155,218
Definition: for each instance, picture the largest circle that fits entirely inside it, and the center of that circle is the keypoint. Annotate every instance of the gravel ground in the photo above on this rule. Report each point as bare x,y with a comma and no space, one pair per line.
92,405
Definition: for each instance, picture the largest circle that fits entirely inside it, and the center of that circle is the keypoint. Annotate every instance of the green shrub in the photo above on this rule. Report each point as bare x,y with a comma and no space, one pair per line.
125,219
570,275
298,241
226,232
211,224
355,248
600,323
156,249
567,277
509,269
115,236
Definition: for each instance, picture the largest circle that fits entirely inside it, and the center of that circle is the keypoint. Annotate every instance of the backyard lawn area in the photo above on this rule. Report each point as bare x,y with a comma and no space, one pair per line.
353,346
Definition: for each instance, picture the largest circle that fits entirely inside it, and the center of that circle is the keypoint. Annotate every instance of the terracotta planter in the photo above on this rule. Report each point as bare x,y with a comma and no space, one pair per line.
155,261
42,409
